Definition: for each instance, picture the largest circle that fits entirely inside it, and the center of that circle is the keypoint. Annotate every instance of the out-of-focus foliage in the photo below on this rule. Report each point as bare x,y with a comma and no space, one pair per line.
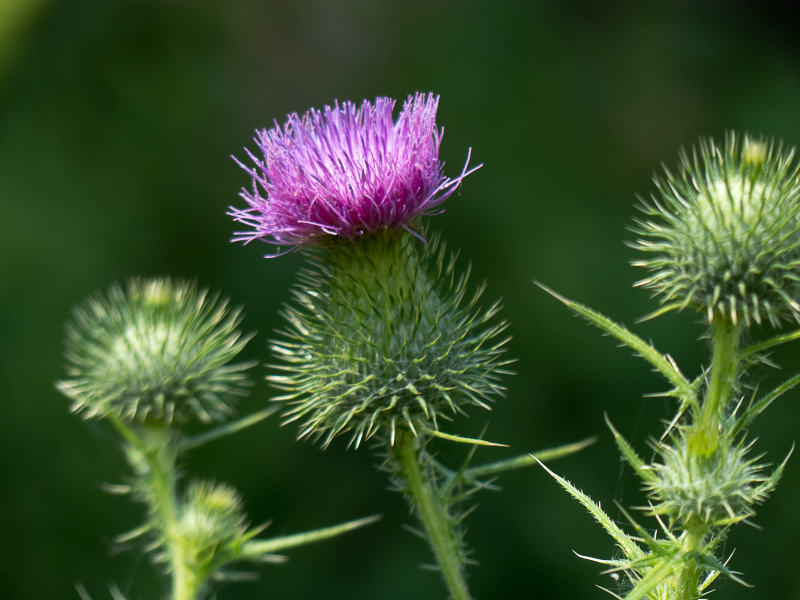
16,17
117,120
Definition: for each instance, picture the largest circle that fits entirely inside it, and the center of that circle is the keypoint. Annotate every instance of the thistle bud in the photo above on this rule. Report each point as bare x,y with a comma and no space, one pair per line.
158,352
212,526
724,236
714,490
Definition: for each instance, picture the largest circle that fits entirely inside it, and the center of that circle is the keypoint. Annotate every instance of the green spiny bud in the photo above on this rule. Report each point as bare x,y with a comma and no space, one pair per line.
159,352
715,490
381,336
211,525
725,234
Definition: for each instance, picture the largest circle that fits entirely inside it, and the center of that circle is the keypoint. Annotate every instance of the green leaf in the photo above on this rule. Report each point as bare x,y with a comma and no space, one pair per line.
653,578
528,459
662,363
710,561
463,440
756,409
710,578
195,441
628,546
255,548
770,343
630,455
659,548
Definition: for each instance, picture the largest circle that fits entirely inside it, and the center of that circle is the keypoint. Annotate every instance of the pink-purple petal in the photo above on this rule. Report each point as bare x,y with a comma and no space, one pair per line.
345,171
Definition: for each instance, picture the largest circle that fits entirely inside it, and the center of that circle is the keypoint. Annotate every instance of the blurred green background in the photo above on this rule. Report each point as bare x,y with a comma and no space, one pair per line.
117,121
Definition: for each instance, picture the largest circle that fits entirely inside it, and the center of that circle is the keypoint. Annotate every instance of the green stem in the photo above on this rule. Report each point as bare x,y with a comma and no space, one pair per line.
186,584
434,516
155,447
722,380
704,440
689,582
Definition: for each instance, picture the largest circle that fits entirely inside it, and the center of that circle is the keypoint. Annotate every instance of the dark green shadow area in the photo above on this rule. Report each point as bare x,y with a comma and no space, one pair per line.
117,122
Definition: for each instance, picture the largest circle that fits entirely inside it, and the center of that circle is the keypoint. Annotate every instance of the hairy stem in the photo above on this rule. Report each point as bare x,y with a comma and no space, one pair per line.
434,516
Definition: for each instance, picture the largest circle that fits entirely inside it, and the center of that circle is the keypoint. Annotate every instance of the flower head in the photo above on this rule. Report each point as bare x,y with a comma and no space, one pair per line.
159,351
345,171
724,237
382,335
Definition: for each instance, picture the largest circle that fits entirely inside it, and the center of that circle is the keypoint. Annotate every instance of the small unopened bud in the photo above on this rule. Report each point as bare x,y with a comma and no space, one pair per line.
715,490
211,524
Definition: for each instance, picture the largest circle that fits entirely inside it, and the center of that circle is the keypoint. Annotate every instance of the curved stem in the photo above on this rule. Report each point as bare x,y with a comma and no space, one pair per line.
433,513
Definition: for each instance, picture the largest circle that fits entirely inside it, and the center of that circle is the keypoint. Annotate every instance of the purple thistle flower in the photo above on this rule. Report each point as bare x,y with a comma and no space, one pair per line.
346,171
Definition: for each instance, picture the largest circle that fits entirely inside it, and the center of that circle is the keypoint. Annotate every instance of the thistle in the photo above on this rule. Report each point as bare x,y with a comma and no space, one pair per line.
724,239
147,360
160,351
382,339
213,525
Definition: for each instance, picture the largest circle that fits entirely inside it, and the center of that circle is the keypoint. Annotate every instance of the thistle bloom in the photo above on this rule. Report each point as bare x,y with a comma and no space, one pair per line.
345,171
725,236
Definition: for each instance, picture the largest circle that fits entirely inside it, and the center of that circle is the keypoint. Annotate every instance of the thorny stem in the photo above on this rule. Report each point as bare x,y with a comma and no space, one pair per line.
433,514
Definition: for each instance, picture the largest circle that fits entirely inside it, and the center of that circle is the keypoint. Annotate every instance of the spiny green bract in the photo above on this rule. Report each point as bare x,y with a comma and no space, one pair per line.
381,336
158,352
725,234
